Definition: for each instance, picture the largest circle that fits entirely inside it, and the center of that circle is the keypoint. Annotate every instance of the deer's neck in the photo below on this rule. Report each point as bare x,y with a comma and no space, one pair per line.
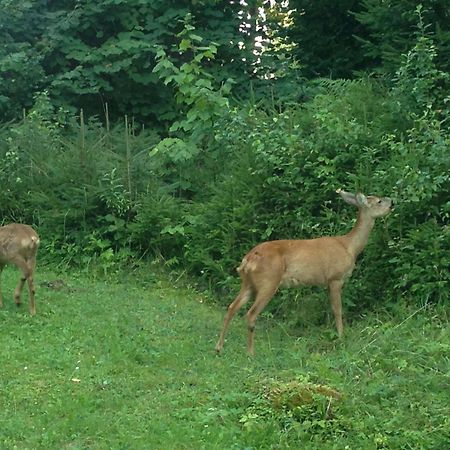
357,239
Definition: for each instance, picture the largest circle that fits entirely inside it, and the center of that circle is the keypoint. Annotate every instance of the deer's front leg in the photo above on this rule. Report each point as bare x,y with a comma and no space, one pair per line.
335,288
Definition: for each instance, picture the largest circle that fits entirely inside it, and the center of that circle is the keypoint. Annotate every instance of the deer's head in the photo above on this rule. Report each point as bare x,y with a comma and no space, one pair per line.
371,205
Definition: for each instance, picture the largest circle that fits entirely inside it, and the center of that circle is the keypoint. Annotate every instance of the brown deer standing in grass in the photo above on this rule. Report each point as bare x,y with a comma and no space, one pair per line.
18,245
327,261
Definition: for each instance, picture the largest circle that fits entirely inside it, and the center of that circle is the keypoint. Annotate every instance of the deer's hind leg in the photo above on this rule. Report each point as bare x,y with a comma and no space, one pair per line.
241,299
30,280
262,298
27,268
265,288
1,298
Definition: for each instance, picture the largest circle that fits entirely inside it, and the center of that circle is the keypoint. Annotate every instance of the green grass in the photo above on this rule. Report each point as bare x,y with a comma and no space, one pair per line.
131,365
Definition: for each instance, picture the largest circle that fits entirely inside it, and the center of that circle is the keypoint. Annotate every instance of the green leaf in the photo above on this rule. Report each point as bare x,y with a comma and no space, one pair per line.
185,44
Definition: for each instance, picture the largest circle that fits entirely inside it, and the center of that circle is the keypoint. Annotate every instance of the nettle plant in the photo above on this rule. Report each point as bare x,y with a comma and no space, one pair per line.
199,100
200,104
420,84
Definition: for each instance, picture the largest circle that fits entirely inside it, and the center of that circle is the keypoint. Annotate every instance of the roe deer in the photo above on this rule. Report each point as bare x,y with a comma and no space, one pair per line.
18,245
325,261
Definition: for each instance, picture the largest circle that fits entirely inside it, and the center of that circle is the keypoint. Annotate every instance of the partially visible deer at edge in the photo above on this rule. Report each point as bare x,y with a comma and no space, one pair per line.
327,261
18,245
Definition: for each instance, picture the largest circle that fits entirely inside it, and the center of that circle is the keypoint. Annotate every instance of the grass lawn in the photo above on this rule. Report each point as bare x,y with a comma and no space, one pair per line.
131,365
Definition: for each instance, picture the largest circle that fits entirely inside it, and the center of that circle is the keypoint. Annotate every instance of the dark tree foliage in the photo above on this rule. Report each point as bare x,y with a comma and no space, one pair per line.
88,53
338,39
391,27
21,72
325,32
104,51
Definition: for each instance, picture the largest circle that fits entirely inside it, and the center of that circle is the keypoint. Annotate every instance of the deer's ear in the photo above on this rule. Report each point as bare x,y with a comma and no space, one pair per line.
348,197
361,199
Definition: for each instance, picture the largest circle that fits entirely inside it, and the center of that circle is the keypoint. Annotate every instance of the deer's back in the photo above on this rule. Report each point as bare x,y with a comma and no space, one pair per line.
310,261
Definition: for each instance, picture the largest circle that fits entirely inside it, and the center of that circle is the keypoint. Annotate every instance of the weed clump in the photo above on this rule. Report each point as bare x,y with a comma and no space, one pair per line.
297,405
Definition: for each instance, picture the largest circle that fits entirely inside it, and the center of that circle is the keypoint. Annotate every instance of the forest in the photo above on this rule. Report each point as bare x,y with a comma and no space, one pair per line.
167,138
